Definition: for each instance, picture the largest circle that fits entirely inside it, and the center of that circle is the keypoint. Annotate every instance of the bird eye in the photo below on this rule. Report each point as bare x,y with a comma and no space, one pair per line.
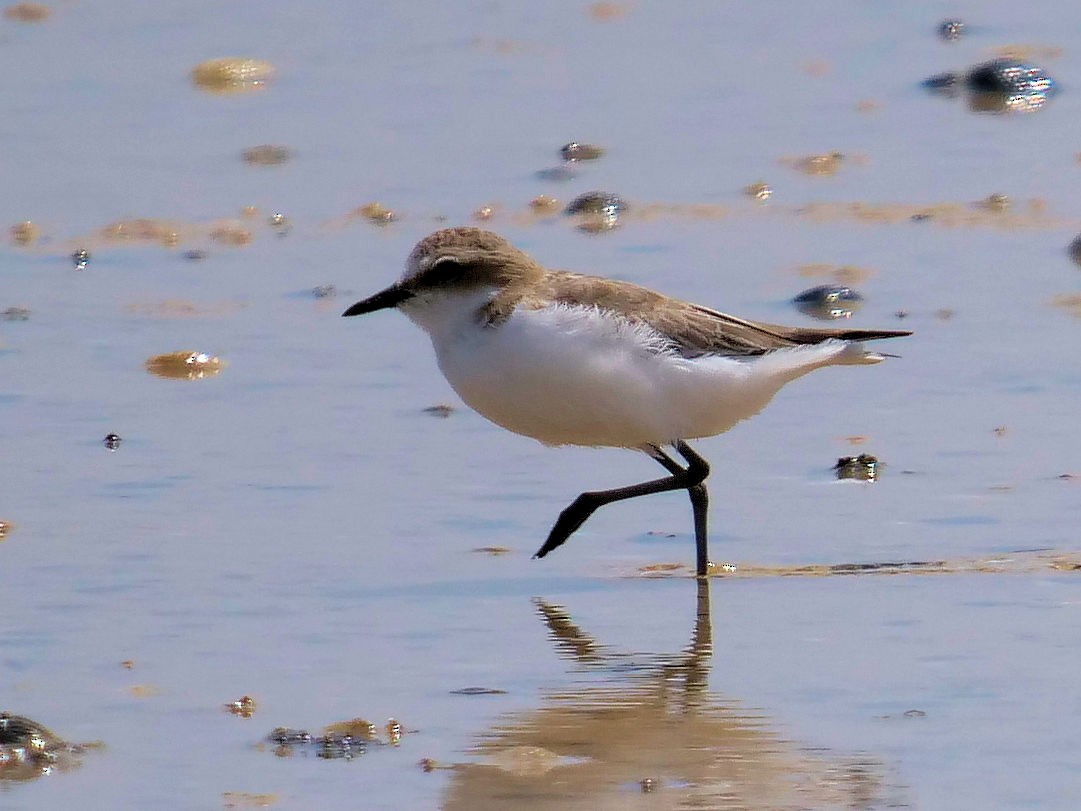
444,269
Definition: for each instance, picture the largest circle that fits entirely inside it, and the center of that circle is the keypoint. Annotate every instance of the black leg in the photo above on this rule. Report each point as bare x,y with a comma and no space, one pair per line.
699,498
690,478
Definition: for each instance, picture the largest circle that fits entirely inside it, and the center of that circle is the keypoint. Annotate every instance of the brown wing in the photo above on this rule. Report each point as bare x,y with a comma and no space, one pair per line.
693,329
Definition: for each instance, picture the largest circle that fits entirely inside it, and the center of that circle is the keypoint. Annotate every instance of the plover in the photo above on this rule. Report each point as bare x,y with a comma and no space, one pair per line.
570,359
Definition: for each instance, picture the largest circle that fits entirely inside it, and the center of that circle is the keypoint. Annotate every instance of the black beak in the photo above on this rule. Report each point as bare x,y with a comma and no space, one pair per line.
391,297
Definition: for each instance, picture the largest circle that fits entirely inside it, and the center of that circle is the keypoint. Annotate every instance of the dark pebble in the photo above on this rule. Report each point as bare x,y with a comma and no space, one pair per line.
862,468
1009,76
15,314
951,30
1075,250
575,151
597,202
478,691
828,301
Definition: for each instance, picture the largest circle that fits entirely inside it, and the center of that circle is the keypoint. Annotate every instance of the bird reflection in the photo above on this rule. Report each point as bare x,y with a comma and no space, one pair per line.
650,726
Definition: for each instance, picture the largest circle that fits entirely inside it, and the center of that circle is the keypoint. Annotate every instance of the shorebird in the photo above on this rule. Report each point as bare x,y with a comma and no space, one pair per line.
570,359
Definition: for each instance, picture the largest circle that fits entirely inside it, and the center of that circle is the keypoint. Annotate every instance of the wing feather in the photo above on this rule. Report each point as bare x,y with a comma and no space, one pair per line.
692,329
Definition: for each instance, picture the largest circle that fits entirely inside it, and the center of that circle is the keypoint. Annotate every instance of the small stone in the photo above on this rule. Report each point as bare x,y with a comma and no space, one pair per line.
325,291
575,151
1009,76
376,213
441,410
394,731
478,691
284,736
194,255
951,30
543,204
112,441
997,203
232,74
861,468
15,314
596,202
759,191
280,223
915,714
828,301
80,258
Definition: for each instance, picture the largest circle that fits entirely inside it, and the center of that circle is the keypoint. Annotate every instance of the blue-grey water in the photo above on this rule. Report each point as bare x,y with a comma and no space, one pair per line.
297,529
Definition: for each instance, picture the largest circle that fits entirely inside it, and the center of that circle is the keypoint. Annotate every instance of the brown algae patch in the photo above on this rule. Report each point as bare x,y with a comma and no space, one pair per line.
231,234
6,528
1070,302
28,12
180,308
607,11
25,233
952,215
493,551
246,799
823,165
184,365
244,707
266,155
1024,562
145,231
375,213
232,74
1016,563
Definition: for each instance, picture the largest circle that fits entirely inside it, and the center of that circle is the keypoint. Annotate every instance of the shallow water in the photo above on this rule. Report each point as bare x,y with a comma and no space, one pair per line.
297,529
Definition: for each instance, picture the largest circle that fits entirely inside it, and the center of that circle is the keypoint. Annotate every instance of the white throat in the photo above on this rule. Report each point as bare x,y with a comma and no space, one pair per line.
444,315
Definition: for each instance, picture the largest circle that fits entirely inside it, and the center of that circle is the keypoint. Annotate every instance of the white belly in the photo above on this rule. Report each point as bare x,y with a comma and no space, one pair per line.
573,375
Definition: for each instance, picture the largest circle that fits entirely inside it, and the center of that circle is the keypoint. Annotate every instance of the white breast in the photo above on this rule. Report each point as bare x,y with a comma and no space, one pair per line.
577,375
